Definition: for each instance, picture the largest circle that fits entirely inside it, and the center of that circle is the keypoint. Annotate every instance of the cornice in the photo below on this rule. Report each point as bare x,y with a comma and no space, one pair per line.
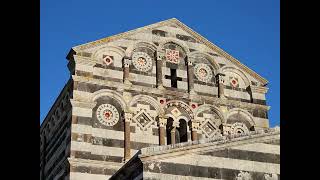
196,98
82,104
210,144
259,89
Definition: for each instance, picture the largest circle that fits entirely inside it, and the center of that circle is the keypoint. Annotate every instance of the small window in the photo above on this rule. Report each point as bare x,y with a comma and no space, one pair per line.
186,38
159,33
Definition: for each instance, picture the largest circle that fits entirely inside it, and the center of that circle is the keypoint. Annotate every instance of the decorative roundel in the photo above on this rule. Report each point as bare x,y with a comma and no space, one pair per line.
141,61
239,128
107,114
203,72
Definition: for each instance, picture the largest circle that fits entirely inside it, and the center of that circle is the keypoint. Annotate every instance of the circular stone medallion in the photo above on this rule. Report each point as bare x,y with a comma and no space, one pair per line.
203,72
141,61
107,114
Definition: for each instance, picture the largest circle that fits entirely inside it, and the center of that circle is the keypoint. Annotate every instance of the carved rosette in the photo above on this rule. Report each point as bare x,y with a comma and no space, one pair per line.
142,61
203,72
107,114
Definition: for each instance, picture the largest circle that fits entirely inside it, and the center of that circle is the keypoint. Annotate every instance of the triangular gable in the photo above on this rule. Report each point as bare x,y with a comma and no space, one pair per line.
184,27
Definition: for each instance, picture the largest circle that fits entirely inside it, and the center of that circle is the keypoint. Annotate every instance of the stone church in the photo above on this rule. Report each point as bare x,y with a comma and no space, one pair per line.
159,102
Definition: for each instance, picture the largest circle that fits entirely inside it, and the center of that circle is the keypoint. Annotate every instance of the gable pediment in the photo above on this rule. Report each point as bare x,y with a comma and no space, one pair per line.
166,31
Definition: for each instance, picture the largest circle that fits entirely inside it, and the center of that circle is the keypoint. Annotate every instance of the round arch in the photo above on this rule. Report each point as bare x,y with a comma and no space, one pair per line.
207,56
175,41
115,49
182,105
149,100
244,112
112,94
209,106
240,73
137,44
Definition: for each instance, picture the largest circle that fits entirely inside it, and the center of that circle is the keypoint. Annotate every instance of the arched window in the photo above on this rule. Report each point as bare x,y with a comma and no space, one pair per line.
180,133
182,130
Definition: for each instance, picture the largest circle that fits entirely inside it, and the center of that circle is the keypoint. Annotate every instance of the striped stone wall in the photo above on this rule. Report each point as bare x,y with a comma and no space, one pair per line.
246,157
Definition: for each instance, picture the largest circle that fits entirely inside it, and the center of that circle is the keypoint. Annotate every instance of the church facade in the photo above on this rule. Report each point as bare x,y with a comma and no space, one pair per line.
159,102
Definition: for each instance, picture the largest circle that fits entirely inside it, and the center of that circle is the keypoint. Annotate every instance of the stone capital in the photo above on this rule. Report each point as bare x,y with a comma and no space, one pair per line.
162,122
127,117
175,124
160,55
195,126
220,78
126,62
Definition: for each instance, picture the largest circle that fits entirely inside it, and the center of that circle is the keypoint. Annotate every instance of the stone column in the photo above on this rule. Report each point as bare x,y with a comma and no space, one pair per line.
195,129
126,65
160,57
220,81
162,130
173,135
173,131
127,148
190,77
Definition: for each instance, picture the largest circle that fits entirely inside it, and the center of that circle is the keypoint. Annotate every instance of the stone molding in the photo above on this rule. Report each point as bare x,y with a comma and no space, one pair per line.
258,89
88,105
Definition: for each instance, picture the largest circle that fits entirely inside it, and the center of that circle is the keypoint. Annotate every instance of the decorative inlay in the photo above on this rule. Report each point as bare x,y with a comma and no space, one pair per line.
203,72
143,119
172,56
142,61
234,81
209,128
238,128
107,114
107,59
175,112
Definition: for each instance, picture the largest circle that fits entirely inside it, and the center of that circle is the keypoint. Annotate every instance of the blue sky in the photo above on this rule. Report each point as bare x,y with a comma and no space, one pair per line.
249,30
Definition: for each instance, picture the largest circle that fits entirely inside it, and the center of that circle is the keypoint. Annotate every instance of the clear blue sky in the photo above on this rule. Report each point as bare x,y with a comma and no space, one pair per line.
249,30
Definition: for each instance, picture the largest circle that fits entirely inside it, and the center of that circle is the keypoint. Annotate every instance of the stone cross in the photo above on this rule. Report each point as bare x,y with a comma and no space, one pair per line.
174,78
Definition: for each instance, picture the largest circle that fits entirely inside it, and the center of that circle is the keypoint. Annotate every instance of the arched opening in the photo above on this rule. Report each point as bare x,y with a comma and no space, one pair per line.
180,133
182,130
169,129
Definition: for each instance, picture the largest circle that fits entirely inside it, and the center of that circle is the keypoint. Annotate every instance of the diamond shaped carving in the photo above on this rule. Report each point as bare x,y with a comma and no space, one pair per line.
107,59
209,128
175,112
143,119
